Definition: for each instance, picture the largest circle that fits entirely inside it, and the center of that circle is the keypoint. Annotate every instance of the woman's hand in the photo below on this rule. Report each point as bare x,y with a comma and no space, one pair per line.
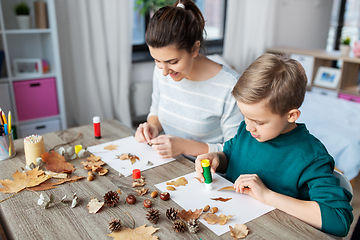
214,163
168,146
252,185
145,132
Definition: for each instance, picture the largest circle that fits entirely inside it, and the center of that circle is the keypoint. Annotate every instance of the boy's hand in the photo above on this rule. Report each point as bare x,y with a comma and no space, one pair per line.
252,185
145,132
214,163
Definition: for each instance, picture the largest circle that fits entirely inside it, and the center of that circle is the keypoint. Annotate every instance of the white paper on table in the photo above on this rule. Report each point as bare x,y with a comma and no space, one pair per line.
194,196
128,145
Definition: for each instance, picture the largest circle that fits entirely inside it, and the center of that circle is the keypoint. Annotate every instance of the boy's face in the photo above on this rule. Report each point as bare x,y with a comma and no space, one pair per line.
262,123
177,63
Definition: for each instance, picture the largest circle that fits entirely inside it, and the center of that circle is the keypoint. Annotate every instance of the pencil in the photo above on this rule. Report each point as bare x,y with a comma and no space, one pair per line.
1,120
4,117
9,122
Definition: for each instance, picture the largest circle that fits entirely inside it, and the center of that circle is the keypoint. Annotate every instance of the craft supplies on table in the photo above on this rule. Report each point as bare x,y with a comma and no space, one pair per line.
34,147
7,147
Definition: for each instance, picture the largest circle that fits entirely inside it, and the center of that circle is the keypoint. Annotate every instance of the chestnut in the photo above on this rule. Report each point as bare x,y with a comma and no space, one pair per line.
131,199
147,203
165,196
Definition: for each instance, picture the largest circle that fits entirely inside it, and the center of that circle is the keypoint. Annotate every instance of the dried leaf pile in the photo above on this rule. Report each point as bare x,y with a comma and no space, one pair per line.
94,163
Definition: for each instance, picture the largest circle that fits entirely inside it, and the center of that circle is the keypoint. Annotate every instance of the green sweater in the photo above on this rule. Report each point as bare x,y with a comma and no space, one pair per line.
295,164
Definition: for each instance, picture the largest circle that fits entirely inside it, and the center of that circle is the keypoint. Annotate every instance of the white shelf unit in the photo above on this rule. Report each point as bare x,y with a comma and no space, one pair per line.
31,44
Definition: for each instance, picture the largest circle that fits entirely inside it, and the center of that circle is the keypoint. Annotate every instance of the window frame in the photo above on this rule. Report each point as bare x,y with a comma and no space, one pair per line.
140,52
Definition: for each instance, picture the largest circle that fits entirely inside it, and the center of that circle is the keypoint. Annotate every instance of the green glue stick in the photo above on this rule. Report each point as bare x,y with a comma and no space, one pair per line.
205,163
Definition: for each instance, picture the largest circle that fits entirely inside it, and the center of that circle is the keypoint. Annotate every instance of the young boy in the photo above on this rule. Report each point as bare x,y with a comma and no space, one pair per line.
276,160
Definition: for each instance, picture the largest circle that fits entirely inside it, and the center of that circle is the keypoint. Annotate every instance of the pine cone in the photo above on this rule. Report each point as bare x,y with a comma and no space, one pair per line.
153,215
111,198
193,225
171,214
114,224
179,226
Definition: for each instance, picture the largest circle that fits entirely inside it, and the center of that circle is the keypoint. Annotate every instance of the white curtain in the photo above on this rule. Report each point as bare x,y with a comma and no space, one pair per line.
95,39
249,31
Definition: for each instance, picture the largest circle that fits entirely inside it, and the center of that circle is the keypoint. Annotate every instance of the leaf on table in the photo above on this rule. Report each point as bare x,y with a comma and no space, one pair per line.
142,191
50,185
139,233
93,163
103,171
140,182
188,215
111,147
221,199
178,182
94,205
57,163
228,188
239,231
23,180
129,156
212,218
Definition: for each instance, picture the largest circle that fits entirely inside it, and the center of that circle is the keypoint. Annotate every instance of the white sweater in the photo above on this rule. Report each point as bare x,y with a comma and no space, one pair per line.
204,111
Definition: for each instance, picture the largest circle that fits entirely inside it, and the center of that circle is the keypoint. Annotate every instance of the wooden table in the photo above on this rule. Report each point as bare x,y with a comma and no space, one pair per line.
23,218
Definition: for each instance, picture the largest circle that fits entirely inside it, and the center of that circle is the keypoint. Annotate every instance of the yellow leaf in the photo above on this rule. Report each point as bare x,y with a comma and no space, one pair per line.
139,233
178,182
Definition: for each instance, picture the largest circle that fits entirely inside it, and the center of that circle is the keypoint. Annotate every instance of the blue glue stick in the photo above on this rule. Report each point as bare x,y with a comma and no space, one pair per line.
205,163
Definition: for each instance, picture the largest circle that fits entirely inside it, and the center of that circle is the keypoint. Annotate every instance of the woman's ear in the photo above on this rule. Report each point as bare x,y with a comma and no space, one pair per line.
196,49
293,115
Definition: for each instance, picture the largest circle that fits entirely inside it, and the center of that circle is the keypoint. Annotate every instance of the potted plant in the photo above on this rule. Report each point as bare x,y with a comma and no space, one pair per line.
22,12
345,46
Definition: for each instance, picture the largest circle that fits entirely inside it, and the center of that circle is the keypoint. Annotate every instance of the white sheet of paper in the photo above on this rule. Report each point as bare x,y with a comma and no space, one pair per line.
128,145
194,196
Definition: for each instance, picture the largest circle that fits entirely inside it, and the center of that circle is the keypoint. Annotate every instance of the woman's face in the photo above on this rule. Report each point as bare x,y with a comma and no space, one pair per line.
177,63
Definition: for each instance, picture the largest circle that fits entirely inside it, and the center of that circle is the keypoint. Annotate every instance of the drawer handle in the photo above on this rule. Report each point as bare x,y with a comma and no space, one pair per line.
34,84
40,127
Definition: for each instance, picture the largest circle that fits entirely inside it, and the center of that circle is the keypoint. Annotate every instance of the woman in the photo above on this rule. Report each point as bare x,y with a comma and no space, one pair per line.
191,100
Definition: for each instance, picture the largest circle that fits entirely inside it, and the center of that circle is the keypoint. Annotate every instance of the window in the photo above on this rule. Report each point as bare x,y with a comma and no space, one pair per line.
345,22
214,14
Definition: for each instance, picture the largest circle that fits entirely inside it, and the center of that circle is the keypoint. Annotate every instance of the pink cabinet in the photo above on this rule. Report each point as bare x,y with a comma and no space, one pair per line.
36,98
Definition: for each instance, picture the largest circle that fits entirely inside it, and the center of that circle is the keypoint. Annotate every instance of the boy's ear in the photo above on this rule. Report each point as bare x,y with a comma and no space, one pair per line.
293,115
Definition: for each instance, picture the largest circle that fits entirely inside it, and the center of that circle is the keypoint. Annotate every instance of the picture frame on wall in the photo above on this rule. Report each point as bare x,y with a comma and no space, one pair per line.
327,77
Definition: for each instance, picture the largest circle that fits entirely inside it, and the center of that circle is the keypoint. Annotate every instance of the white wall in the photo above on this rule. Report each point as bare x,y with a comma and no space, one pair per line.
303,23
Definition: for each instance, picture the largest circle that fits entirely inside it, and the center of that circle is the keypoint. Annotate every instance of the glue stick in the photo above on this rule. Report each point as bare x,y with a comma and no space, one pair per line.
96,122
205,163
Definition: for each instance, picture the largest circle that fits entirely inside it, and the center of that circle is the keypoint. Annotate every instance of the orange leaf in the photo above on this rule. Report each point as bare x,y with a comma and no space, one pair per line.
212,218
56,163
23,180
139,233
221,199
188,215
178,182
50,185
111,147
228,188
239,231
129,156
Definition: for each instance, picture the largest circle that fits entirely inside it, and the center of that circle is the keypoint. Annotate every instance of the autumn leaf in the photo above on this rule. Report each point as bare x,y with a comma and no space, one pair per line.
56,163
93,163
197,178
188,215
23,180
142,191
228,188
94,205
129,156
178,182
212,218
221,199
239,231
111,147
139,233
50,185
103,171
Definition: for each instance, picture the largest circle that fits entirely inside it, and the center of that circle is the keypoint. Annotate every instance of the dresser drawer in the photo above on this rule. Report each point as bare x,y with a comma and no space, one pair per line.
36,98
39,128
349,97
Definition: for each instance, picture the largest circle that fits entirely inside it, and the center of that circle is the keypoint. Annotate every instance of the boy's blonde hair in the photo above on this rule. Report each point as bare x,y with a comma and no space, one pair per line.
281,81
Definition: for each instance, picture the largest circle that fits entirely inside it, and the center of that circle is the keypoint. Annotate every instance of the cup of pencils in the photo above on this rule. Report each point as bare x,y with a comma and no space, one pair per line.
7,147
